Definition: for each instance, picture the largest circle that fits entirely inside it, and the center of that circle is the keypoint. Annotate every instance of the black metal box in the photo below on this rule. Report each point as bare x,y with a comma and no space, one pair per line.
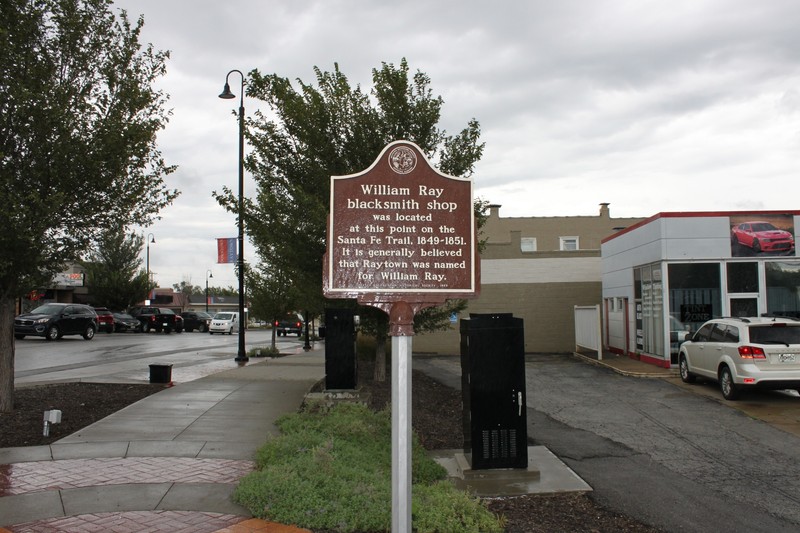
340,349
493,391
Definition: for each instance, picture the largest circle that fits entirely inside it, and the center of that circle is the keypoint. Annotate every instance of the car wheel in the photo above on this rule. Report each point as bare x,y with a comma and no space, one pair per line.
686,376
19,337
203,329
146,328
210,332
52,333
88,333
730,391
230,331
756,246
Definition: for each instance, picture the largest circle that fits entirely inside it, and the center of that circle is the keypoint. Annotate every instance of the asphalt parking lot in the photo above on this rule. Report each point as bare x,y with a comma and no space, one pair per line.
676,456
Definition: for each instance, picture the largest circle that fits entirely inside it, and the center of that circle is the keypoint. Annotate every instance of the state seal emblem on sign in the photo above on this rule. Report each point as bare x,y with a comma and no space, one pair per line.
402,160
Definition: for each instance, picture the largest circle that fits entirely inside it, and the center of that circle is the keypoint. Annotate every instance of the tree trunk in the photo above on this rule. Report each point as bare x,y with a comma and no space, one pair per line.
6,354
380,358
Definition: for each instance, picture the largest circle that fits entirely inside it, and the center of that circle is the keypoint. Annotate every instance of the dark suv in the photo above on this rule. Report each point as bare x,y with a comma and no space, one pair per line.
54,320
196,320
105,319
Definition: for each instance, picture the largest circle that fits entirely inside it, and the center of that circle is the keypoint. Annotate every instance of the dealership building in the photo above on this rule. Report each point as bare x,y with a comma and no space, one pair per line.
666,275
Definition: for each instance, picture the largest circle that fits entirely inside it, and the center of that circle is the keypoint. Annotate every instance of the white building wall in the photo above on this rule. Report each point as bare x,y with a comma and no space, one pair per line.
691,238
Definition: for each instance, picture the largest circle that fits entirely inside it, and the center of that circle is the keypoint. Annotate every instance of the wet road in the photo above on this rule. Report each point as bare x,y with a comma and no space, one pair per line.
664,454
125,357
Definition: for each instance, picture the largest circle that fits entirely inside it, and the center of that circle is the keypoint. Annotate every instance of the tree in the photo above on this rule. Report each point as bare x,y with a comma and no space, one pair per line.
271,296
78,122
113,271
332,129
184,291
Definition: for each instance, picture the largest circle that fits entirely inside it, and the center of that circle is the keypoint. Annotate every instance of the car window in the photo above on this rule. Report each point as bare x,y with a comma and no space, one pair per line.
730,334
703,333
717,333
775,334
47,309
223,316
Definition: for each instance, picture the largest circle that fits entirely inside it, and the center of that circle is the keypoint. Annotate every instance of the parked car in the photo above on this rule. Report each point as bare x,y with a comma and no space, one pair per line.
762,352
224,323
156,318
54,320
125,322
105,319
196,320
762,237
291,323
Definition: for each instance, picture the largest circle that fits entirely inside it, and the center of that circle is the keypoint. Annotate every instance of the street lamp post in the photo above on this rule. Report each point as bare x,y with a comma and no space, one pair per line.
208,275
241,356
150,239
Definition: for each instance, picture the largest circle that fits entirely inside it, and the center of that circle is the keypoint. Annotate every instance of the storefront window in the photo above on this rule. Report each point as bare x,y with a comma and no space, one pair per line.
742,277
783,288
694,292
649,305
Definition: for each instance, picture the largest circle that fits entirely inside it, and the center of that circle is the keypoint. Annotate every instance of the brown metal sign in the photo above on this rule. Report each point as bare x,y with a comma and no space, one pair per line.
401,231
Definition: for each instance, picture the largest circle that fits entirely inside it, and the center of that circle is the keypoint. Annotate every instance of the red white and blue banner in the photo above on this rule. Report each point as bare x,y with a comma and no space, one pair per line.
226,250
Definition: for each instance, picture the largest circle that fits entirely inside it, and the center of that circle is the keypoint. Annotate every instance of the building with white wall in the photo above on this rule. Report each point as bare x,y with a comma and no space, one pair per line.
666,275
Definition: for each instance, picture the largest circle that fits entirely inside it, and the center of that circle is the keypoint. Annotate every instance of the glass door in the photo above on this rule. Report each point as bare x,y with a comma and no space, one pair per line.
742,306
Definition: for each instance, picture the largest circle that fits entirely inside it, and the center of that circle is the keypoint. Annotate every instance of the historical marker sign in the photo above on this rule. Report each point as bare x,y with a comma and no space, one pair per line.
401,228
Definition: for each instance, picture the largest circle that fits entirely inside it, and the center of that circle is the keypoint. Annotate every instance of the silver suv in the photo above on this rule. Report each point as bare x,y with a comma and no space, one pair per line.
761,352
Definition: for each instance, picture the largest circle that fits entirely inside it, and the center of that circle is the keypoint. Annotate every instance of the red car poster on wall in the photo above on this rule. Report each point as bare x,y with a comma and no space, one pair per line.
762,234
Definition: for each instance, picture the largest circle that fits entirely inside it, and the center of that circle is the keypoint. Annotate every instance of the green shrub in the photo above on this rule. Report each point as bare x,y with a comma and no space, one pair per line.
331,469
263,352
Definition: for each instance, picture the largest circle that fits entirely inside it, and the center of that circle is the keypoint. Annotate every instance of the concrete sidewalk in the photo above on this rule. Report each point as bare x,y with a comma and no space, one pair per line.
171,461
166,463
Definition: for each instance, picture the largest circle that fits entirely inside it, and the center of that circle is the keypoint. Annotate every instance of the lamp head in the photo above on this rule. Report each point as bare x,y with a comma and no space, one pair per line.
226,93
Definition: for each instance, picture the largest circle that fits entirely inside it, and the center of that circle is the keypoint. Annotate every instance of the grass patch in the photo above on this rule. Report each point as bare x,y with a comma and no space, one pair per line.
331,469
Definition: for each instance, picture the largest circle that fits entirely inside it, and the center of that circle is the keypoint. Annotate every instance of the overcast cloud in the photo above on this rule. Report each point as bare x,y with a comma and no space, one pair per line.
651,106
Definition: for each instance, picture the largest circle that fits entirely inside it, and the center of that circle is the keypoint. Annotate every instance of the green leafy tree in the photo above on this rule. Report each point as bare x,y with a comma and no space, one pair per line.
332,128
113,270
79,116
270,294
185,290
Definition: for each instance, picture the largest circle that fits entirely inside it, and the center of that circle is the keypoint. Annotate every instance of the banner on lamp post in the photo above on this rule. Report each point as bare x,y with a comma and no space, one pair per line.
226,250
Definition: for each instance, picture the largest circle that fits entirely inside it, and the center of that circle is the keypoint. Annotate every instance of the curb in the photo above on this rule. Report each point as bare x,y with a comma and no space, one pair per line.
661,373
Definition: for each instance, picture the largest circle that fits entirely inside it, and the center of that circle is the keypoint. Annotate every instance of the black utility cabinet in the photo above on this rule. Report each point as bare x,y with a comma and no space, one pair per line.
493,391
340,349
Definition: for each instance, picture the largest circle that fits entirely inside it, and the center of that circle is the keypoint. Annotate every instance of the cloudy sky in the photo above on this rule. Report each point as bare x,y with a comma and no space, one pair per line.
651,106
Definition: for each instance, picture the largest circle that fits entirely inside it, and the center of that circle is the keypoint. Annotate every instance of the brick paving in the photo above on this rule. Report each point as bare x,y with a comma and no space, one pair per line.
21,478
40,480
134,522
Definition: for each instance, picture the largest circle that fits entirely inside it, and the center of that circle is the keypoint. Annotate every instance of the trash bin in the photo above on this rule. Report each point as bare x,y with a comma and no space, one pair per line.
160,373
493,391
